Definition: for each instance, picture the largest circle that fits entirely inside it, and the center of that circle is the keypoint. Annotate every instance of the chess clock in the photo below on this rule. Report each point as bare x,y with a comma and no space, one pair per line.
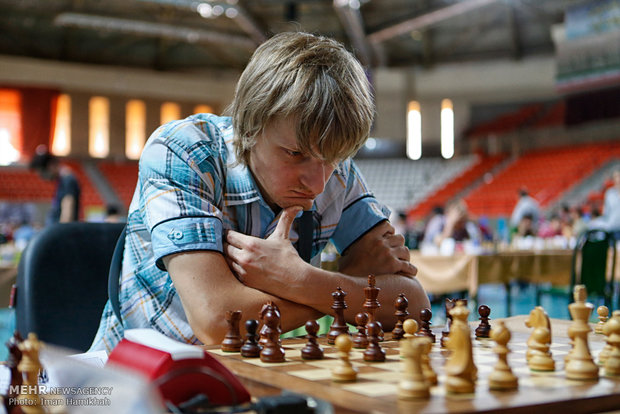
181,372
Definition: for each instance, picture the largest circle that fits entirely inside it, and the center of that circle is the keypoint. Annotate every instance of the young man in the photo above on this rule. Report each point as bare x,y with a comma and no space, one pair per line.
214,223
66,202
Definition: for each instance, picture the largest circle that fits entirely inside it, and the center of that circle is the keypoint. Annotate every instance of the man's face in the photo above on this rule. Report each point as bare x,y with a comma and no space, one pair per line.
285,176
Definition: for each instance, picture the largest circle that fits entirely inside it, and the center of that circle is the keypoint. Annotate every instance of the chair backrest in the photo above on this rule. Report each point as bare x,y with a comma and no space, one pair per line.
594,248
62,282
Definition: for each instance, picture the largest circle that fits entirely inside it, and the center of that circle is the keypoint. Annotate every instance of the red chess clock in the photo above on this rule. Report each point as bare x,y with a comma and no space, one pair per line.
180,371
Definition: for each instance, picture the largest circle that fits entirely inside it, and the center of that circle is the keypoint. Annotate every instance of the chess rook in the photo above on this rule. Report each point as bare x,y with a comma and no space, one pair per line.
232,340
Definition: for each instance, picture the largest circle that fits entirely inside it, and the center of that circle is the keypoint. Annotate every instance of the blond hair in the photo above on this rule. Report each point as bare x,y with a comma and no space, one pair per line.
313,80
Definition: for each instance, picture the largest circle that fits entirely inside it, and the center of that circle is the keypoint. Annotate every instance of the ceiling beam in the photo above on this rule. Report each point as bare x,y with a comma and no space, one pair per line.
142,28
353,24
426,20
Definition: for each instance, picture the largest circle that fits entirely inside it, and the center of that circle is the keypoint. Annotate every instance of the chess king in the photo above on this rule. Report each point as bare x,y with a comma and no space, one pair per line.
216,222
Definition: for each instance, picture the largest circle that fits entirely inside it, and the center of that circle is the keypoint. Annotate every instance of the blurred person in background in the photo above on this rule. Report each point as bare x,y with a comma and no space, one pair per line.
66,202
526,206
611,206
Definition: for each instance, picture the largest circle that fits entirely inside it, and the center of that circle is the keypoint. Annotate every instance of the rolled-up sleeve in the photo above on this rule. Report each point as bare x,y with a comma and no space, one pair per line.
180,195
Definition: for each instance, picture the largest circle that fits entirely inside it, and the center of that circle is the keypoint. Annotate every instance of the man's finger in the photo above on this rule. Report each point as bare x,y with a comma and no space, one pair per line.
235,238
283,228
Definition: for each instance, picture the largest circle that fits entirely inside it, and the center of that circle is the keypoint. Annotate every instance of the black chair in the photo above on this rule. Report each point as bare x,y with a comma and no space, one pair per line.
62,282
591,266
596,270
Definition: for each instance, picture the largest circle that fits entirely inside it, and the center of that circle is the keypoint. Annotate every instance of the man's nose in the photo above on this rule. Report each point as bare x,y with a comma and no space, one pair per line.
313,176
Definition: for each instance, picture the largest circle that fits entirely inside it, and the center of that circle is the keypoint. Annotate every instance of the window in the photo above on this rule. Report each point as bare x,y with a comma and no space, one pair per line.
206,109
61,141
170,111
10,126
135,128
99,127
447,129
414,131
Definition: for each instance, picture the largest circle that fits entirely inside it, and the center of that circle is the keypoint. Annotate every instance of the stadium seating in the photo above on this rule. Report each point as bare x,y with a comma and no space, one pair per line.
122,176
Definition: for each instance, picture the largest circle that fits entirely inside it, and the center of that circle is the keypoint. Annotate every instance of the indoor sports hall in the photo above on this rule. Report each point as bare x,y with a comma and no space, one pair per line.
493,152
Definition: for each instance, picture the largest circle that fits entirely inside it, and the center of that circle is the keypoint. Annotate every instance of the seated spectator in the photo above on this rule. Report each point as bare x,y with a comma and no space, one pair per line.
551,228
457,228
434,225
526,205
525,227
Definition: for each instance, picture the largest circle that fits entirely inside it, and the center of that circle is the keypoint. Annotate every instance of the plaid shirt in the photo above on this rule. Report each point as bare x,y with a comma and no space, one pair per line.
189,191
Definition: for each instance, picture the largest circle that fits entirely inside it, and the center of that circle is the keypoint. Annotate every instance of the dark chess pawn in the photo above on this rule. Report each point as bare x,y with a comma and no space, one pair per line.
312,350
374,352
232,341
401,303
484,329
251,348
360,340
425,324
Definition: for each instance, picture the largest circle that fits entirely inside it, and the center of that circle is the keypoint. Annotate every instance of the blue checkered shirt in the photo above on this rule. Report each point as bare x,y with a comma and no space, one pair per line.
189,191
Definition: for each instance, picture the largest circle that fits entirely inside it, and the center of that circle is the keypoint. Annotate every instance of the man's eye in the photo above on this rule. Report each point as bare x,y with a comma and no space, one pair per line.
293,153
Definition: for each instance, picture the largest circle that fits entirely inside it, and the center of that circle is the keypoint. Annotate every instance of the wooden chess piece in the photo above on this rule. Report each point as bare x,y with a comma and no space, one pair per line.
425,324
12,362
427,368
502,377
580,364
461,372
604,354
448,306
339,326
312,350
251,348
30,366
344,372
401,303
538,354
371,304
603,314
484,329
272,349
414,384
374,352
360,340
410,327
612,331
232,340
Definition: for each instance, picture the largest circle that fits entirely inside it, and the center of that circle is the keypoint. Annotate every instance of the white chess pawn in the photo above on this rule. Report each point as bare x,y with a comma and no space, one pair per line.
413,385
344,372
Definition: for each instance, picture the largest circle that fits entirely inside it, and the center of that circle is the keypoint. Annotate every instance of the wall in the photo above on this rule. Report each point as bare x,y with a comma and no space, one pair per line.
465,84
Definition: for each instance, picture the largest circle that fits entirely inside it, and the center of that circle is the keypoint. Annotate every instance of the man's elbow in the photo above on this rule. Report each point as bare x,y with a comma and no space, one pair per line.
210,329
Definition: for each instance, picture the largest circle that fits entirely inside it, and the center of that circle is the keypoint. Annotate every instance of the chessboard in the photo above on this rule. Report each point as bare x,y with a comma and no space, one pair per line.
376,387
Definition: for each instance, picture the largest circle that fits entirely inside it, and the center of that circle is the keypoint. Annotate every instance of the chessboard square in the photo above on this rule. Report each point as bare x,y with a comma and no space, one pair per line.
396,366
258,362
330,363
313,374
384,376
292,353
372,389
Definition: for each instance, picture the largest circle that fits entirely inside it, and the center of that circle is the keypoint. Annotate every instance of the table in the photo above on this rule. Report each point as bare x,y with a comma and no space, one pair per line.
463,272
552,394
8,275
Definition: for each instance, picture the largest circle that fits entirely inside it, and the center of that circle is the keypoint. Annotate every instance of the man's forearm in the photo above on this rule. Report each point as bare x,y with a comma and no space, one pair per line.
316,285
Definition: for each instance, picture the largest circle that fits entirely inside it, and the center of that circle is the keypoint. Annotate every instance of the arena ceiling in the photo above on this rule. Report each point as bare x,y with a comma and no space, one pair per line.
190,35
